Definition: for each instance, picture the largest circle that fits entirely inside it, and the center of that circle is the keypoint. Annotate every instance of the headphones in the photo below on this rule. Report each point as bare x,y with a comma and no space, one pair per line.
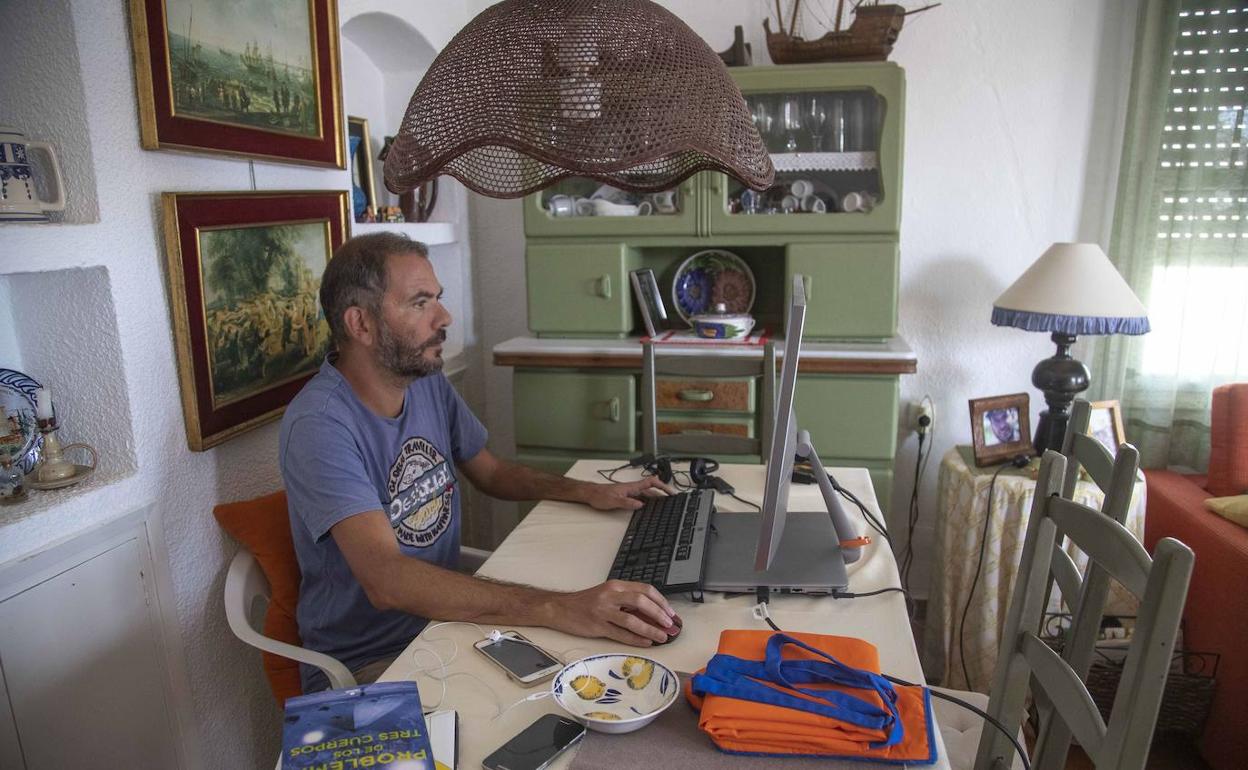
701,470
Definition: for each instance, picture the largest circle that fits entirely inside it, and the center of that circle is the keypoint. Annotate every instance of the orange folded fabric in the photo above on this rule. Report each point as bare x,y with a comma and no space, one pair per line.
809,695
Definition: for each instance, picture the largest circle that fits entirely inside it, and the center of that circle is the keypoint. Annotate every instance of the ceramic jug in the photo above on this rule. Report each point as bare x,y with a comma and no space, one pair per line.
19,201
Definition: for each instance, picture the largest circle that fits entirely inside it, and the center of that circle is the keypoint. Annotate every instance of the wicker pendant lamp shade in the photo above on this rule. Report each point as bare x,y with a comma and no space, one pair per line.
532,91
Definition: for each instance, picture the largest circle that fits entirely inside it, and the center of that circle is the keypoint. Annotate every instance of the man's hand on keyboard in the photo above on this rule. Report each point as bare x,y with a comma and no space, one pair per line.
626,495
600,611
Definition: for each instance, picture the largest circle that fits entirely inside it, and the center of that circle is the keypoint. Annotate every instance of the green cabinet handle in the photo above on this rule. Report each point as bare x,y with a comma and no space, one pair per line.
696,394
603,288
613,409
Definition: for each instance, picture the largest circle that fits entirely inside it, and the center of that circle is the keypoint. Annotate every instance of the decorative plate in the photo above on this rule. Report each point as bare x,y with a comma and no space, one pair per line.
710,277
615,693
20,438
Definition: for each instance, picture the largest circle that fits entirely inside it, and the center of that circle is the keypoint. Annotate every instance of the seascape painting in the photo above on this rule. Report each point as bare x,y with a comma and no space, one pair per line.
263,321
244,62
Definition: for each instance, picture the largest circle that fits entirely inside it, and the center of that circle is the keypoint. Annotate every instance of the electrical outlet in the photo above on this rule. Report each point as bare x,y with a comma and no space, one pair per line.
920,410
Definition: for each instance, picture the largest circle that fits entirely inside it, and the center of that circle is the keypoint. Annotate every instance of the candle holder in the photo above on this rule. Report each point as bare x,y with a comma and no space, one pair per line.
53,470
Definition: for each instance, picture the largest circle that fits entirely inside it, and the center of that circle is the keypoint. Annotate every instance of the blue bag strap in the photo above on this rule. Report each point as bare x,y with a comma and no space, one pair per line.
734,677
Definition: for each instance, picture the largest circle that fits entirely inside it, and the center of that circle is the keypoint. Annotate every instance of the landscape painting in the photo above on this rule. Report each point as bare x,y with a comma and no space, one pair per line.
244,281
254,78
263,320
246,62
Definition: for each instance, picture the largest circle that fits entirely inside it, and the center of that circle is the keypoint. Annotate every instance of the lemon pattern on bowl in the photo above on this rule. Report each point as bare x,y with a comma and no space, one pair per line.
588,687
607,715
637,672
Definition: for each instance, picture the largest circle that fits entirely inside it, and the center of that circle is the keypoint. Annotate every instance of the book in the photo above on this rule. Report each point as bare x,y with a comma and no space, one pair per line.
377,725
444,736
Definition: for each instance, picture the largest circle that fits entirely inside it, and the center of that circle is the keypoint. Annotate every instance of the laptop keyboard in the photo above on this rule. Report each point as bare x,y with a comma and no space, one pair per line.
665,544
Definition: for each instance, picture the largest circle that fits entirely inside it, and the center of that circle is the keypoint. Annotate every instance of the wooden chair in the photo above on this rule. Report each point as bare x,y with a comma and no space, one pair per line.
706,443
1160,582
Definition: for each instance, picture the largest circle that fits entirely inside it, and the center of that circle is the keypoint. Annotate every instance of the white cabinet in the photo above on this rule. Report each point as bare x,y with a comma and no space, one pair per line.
82,658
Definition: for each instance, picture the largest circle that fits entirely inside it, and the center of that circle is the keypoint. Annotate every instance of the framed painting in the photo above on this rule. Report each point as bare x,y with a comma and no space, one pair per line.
244,280
1105,425
253,78
1000,428
360,150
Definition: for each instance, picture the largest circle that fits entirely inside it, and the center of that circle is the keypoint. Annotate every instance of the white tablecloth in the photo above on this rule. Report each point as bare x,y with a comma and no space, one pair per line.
564,546
963,494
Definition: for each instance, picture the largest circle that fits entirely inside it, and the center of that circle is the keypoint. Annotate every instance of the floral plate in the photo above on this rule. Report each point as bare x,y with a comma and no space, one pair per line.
615,693
20,439
711,277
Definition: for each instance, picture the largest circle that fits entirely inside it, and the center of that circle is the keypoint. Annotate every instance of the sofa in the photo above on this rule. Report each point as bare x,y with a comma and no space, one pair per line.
1216,616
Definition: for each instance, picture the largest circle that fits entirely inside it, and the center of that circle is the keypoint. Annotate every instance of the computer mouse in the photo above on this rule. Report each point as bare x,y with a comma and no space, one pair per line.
672,634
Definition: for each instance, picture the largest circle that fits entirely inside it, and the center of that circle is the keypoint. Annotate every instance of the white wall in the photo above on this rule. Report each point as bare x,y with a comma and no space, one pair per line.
1012,135
229,717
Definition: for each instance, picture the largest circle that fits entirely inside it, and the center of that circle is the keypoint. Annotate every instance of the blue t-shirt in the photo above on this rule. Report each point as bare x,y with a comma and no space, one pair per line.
339,459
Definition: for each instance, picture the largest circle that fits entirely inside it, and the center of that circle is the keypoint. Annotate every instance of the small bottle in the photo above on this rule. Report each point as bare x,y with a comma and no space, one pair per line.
12,482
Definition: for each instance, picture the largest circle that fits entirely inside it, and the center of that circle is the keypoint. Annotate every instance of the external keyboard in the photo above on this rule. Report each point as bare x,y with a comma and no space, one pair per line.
665,544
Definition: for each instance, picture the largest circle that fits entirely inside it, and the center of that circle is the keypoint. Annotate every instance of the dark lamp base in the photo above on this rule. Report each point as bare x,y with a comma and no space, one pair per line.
1062,378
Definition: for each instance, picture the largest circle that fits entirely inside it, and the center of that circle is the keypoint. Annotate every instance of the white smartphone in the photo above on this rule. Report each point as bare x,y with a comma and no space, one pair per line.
523,661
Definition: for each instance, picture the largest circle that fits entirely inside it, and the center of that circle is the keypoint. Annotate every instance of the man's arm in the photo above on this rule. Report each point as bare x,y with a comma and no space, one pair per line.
394,581
511,481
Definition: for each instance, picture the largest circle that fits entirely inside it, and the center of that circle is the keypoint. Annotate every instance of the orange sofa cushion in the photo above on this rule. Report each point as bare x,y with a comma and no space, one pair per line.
1228,441
262,525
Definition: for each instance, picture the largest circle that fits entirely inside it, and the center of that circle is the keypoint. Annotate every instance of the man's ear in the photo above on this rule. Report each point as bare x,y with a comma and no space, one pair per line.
361,326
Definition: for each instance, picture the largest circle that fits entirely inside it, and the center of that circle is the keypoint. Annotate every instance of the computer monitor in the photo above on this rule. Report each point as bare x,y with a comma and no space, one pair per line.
784,435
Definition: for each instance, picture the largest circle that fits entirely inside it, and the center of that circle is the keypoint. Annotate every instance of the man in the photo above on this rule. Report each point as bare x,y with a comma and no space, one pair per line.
370,453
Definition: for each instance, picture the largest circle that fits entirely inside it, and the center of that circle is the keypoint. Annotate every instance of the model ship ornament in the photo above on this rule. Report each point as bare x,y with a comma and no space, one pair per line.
870,37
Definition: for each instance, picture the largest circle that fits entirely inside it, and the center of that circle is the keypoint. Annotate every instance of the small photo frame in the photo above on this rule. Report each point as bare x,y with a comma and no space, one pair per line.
649,300
1000,428
1105,425
359,148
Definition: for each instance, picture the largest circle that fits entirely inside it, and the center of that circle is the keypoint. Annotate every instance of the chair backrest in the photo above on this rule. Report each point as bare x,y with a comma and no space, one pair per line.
708,365
1159,582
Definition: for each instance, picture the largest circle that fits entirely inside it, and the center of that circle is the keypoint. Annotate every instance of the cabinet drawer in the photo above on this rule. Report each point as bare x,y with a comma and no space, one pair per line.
571,410
704,425
849,415
580,290
724,394
851,288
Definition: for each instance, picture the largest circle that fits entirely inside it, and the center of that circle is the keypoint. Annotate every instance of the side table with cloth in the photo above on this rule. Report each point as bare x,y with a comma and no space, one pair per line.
962,490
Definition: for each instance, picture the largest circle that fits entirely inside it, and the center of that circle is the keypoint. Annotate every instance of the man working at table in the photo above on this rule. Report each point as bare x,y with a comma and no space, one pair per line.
369,452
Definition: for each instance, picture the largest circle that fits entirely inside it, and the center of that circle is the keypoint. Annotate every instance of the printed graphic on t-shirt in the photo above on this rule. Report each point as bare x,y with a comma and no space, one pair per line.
421,486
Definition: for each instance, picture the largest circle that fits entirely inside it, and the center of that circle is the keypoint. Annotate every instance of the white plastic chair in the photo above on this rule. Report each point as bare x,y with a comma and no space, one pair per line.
247,598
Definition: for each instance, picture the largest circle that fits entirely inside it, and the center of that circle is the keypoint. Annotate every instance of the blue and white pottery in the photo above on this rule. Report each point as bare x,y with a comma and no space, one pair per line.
711,277
20,439
722,325
19,199
615,693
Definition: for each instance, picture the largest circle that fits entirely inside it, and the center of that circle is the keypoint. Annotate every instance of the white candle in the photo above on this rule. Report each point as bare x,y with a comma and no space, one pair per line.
43,404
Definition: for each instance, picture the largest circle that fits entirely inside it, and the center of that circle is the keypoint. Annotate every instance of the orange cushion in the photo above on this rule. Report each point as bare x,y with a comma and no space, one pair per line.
1228,441
262,525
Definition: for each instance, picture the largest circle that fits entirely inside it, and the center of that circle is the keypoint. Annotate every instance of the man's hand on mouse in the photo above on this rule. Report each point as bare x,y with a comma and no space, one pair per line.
626,495
631,613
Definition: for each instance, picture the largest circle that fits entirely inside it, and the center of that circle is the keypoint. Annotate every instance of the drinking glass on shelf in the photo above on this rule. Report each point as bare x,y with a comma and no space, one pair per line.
815,113
762,116
791,122
836,124
856,130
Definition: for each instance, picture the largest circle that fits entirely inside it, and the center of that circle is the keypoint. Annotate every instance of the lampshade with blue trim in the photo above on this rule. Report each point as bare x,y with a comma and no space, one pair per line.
1073,289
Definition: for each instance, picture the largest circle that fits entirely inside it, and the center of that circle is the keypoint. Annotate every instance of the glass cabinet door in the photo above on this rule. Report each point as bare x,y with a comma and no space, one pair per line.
836,148
581,206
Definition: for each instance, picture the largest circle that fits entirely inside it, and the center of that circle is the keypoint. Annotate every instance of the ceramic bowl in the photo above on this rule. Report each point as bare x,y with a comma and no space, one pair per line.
723,326
615,693
708,278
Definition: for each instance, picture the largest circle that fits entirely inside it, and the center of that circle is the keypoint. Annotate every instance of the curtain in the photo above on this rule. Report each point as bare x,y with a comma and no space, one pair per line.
1179,234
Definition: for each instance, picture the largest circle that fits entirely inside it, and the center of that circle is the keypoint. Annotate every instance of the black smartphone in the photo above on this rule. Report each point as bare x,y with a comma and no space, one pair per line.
536,745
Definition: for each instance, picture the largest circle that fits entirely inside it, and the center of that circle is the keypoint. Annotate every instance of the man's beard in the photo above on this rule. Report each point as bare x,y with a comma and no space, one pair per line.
407,361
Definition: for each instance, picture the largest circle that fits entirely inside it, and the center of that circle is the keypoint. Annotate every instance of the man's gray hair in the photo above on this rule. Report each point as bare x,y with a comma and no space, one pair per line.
356,276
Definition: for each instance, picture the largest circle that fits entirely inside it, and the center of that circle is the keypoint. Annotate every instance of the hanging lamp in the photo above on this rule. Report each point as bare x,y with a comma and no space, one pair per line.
533,91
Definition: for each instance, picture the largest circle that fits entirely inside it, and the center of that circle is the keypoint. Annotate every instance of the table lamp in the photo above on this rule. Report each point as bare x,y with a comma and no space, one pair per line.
1071,289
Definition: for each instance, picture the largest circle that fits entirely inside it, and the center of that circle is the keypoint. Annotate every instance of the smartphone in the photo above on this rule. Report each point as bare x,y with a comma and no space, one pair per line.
536,745
525,662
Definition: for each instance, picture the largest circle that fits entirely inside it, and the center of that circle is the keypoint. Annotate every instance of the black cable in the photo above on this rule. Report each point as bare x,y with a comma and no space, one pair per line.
937,694
1017,462
866,514
920,465
848,595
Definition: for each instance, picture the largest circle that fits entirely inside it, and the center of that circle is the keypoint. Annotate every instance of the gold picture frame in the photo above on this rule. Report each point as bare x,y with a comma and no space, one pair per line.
1000,428
244,272
361,165
1105,425
206,83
